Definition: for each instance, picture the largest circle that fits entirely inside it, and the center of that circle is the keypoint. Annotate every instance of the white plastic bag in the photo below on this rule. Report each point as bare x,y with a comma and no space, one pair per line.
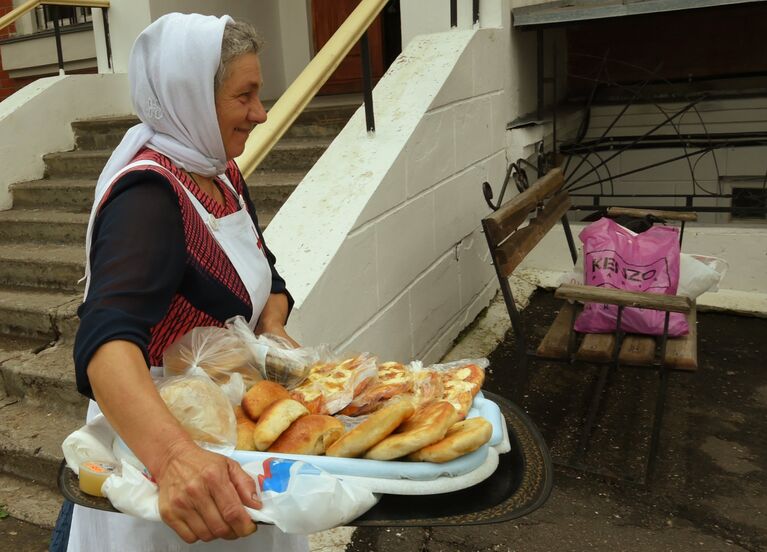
699,274
201,407
300,498
275,358
218,351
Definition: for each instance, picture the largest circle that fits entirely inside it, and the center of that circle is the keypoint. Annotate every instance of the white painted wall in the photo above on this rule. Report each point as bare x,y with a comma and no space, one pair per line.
431,16
30,58
284,26
381,244
51,104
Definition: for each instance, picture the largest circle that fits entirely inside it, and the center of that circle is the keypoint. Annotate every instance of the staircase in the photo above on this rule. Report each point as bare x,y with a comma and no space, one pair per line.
41,259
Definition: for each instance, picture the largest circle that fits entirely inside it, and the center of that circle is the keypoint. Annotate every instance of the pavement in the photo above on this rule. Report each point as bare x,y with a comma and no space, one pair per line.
708,490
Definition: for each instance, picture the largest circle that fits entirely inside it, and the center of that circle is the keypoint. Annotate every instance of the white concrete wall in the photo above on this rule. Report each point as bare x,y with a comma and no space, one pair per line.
381,244
30,58
284,26
431,16
51,104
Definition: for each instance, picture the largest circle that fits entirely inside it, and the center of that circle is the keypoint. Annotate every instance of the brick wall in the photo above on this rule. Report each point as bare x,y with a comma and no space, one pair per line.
8,85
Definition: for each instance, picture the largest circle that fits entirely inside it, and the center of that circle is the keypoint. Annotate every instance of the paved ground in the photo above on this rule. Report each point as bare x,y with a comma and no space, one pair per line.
709,491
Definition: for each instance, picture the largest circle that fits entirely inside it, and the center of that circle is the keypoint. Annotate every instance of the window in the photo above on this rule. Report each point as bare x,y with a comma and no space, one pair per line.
749,203
45,15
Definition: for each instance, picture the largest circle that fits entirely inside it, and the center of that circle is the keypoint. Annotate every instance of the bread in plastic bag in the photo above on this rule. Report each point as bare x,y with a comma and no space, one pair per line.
218,351
275,358
392,379
461,380
201,407
331,386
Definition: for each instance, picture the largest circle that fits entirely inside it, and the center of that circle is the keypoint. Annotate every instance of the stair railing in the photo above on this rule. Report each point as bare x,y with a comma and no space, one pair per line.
298,95
12,16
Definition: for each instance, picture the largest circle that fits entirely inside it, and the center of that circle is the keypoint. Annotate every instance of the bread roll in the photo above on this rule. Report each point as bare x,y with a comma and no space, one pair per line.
462,438
425,427
260,396
201,408
245,427
377,426
311,434
274,420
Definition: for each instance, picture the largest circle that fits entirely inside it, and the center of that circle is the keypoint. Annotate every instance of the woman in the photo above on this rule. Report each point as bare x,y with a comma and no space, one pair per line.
173,243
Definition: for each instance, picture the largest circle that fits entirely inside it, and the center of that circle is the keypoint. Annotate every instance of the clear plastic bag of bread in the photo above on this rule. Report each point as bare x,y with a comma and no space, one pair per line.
219,352
201,407
276,359
333,383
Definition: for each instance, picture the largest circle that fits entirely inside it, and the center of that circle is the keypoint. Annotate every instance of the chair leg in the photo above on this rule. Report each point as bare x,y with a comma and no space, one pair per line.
596,400
657,420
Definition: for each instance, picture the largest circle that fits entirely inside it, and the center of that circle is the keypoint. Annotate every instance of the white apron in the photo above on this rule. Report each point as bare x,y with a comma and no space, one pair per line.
98,531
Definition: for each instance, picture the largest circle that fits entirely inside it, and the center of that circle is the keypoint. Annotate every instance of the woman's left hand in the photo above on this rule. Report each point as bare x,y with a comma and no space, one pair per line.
273,318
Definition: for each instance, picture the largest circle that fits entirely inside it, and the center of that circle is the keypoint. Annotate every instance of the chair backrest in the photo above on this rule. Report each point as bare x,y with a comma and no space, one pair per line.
508,240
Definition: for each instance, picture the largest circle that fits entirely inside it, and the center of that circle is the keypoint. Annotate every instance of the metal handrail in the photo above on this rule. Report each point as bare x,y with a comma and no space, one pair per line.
13,15
30,5
305,87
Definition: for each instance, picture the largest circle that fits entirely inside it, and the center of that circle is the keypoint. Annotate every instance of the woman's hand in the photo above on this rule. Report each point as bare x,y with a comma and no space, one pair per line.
273,318
202,495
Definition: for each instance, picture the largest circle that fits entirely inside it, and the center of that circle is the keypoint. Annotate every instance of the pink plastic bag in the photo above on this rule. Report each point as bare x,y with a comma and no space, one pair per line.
615,257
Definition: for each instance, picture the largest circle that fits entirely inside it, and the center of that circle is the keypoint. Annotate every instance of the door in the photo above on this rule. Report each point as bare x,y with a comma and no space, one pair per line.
327,16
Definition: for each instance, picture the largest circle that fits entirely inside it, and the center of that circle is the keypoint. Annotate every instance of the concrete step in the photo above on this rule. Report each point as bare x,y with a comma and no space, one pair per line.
62,194
76,163
42,315
314,122
45,379
30,440
36,265
42,226
295,154
30,501
269,189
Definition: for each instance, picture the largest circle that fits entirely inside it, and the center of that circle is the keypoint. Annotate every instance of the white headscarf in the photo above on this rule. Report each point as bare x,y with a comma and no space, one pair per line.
172,67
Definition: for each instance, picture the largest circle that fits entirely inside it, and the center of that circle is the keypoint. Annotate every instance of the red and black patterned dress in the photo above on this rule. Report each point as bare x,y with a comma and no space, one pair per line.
156,272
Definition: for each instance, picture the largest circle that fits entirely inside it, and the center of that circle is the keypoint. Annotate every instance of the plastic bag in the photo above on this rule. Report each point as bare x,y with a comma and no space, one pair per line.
301,499
274,357
615,257
699,274
349,378
218,351
201,407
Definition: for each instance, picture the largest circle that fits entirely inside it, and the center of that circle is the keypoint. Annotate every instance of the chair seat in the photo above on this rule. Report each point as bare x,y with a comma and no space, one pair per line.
636,350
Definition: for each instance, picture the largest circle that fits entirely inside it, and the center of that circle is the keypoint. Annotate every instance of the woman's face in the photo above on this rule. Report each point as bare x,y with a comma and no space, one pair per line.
238,106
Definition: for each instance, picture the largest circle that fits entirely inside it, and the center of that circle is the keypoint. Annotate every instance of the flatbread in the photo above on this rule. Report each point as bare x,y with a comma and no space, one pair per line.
462,438
311,434
461,384
375,428
275,419
260,396
393,379
425,427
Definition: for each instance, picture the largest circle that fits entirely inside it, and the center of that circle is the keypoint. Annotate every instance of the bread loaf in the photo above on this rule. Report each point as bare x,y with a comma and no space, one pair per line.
462,438
425,427
260,396
274,420
376,427
311,434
